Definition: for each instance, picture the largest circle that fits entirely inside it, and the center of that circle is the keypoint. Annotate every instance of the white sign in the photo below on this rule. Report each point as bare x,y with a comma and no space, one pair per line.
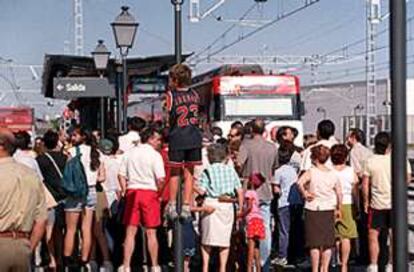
258,107
75,87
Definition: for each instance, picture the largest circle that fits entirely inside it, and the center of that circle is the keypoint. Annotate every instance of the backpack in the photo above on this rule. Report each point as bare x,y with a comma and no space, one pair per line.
74,181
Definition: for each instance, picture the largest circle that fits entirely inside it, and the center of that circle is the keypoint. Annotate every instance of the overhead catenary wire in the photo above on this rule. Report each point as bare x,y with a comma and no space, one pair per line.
355,43
307,4
225,32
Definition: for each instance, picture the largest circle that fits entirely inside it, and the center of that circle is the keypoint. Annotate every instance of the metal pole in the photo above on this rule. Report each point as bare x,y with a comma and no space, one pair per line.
178,38
102,113
399,134
124,93
119,98
178,230
102,119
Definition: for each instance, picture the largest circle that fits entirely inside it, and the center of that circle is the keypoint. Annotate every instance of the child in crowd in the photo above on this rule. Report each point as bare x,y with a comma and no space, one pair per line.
255,226
284,185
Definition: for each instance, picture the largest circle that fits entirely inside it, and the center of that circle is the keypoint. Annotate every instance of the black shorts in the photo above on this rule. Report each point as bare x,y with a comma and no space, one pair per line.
379,219
188,157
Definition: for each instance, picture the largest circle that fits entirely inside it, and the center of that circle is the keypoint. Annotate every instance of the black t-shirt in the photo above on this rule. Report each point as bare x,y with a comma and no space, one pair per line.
184,120
51,177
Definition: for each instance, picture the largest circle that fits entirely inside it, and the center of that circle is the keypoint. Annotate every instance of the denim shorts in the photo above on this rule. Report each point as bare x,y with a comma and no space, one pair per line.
78,205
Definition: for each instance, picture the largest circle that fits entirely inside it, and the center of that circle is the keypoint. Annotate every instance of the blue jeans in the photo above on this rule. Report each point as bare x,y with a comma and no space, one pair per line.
284,229
266,244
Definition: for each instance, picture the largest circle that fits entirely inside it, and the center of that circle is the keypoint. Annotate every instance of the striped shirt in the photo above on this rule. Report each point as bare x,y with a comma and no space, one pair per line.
223,180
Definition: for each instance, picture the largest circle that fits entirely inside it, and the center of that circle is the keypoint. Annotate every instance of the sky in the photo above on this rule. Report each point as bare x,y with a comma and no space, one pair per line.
32,28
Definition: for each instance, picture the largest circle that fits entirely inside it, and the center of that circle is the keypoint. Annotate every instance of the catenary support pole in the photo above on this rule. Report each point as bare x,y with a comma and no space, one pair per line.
399,134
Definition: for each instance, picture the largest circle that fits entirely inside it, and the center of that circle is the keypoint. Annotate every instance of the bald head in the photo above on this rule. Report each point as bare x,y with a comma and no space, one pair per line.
6,142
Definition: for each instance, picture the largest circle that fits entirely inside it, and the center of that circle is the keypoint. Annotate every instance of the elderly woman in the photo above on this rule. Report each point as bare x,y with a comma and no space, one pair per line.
219,181
322,192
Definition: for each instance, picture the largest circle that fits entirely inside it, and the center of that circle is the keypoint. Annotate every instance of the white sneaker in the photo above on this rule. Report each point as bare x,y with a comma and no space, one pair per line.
388,268
124,269
107,265
156,268
372,268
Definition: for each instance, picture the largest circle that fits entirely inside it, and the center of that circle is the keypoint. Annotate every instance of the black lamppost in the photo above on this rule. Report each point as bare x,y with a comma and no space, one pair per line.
125,29
100,59
178,233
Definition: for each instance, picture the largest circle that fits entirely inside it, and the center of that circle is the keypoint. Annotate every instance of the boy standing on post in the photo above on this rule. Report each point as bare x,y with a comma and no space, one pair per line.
185,138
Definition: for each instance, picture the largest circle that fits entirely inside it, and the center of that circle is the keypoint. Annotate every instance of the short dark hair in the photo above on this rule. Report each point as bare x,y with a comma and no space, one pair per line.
181,74
326,129
358,134
137,124
236,124
285,152
320,153
216,153
282,132
51,139
258,126
22,140
339,154
248,127
381,142
115,143
217,131
147,133
222,141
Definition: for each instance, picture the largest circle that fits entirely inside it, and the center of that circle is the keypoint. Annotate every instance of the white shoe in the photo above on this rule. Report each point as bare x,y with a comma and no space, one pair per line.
372,268
107,266
124,269
388,268
156,268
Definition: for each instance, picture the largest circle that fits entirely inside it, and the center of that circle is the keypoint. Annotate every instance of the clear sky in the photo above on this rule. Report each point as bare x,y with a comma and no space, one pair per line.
31,28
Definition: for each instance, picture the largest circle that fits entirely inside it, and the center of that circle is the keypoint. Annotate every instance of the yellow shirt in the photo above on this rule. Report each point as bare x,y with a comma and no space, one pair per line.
22,197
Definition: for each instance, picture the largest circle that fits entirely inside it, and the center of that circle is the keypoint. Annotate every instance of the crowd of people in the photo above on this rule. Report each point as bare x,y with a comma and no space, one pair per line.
251,200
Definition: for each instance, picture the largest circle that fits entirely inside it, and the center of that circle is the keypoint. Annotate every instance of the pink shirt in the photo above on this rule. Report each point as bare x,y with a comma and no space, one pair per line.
255,212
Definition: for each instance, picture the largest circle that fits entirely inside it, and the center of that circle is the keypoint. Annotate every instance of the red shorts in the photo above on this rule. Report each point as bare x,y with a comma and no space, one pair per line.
142,207
256,229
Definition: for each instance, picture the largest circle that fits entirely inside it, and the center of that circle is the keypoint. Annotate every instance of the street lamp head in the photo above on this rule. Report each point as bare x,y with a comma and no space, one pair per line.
177,2
124,28
320,109
101,56
359,107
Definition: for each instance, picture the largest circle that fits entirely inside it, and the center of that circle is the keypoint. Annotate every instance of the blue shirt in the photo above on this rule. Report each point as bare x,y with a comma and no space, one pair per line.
223,180
285,178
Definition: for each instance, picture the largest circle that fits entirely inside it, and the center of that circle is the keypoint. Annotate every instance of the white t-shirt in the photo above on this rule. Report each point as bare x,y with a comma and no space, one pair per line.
28,158
112,166
85,150
129,140
347,178
142,166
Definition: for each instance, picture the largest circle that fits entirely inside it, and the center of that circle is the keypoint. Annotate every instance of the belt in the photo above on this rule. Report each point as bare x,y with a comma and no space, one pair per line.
15,234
